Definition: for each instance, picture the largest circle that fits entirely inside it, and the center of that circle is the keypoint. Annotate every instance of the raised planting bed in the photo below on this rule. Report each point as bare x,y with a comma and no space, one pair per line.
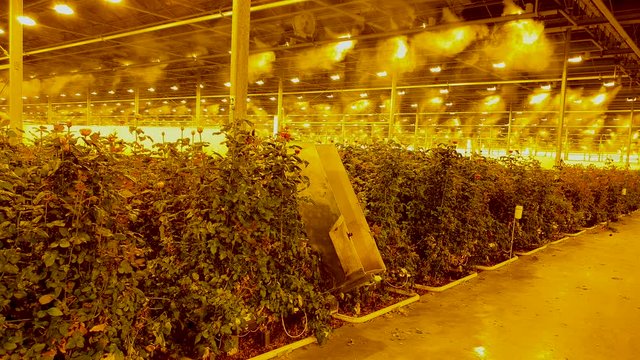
496,266
407,298
559,240
446,286
577,233
285,349
591,227
528,253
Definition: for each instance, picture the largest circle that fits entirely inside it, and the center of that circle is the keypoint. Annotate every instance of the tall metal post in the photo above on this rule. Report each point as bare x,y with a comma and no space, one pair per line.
240,20
49,110
630,137
279,119
393,103
15,66
563,98
136,106
198,114
509,130
415,130
88,113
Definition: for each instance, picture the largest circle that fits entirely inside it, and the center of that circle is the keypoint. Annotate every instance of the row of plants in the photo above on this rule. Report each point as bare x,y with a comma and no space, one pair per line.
114,250
435,213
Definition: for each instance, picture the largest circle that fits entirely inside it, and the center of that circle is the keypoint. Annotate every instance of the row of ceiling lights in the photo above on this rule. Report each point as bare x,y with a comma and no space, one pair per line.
60,8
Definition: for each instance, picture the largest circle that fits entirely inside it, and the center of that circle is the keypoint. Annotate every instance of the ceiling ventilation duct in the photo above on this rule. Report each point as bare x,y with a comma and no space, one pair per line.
304,25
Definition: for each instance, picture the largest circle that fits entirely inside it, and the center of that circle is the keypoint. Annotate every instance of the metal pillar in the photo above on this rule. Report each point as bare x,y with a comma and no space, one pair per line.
49,111
136,106
279,119
509,130
563,98
393,103
239,60
15,66
630,137
198,115
415,131
88,113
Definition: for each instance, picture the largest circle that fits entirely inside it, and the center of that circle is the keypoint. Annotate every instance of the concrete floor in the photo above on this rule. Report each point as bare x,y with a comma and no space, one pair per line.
579,299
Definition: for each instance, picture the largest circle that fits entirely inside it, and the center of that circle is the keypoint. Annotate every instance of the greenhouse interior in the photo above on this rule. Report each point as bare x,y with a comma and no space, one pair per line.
238,179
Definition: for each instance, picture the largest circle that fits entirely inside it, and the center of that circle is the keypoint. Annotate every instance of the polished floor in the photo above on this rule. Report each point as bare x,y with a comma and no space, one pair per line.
579,299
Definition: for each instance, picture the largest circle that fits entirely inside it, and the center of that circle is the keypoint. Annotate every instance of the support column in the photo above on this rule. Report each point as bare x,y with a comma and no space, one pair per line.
240,21
88,114
563,98
136,106
198,115
393,103
509,130
15,66
415,131
49,111
630,137
279,119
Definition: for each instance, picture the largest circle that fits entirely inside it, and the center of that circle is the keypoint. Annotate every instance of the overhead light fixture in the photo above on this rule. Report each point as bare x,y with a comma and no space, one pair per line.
224,100
401,92
201,86
273,98
609,83
151,89
381,73
577,101
437,100
299,97
545,87
631,99
435,69
130,91
414,105
174,87
78,94
25,20
260,82
94,93
492,88
1,31
448,104
364,95
295,80
444,91
63,95
63,9
334,77
500,65
575,59
114,1
330,96
111,92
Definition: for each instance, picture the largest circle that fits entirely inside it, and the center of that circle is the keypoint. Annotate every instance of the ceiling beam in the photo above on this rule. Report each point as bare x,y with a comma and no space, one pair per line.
617,26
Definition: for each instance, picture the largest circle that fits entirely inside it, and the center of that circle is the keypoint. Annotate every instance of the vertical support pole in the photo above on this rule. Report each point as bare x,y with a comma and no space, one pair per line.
415,131
49,111
136,106
15,66
563,98
198,115
393,103
279,119
509,129
630,137
88,113
239,60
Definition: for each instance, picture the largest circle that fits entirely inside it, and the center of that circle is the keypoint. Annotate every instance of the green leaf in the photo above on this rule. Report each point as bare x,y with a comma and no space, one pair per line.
124,267
54,311
45,299
64,243
49,258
